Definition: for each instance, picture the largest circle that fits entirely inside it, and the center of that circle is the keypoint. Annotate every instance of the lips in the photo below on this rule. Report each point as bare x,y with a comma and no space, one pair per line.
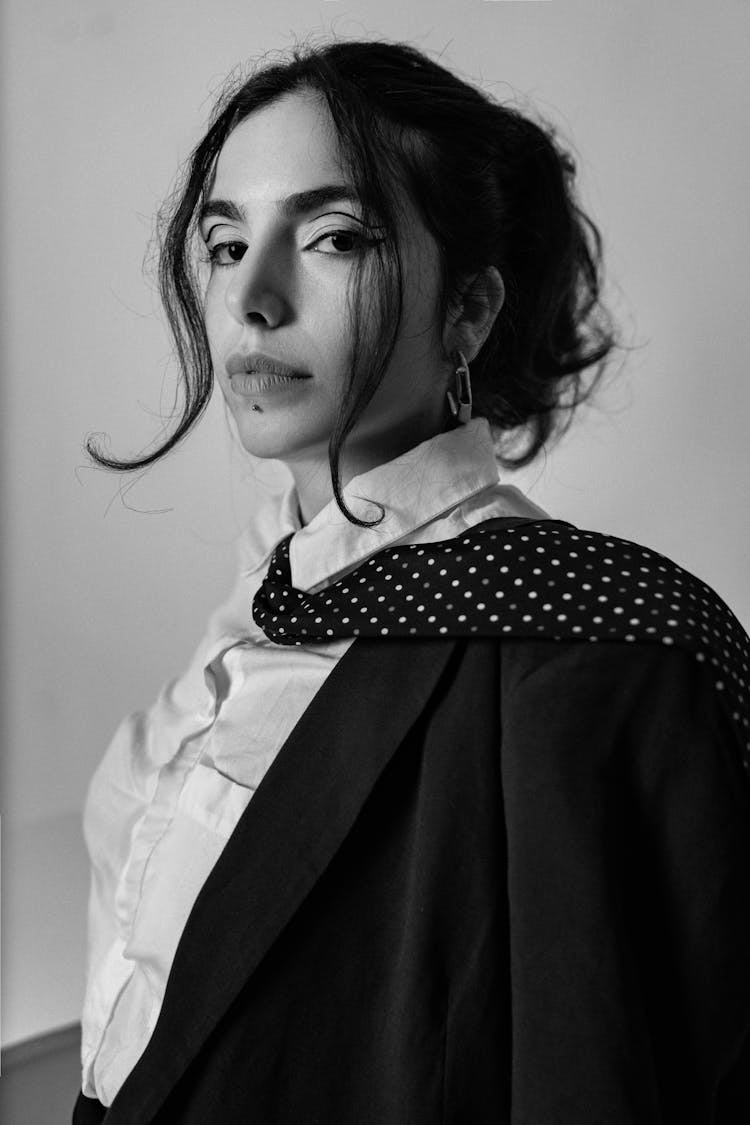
250,363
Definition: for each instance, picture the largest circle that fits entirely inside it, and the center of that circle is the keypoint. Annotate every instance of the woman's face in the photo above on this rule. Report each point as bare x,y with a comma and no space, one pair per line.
283,230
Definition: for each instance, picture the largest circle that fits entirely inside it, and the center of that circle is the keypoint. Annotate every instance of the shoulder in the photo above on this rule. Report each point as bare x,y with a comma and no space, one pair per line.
549,580
555,579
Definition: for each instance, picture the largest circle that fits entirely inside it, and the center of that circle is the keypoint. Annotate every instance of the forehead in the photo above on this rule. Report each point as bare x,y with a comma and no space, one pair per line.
283,147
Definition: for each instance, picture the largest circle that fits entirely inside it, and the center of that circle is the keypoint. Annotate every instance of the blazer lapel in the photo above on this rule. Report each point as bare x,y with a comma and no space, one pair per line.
296,821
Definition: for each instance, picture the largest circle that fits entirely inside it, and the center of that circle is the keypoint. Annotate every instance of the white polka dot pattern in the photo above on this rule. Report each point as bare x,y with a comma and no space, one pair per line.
521,578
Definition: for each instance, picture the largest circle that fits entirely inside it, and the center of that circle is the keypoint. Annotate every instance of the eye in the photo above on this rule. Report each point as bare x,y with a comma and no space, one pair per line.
225,253
341,242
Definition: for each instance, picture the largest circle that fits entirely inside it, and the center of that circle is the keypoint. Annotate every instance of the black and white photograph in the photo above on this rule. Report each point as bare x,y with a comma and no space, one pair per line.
375,563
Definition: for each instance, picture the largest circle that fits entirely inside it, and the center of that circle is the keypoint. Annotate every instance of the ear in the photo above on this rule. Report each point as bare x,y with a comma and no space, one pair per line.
472,312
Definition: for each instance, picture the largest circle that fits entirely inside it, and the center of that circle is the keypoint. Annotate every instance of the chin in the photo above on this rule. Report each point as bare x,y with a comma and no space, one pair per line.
268,435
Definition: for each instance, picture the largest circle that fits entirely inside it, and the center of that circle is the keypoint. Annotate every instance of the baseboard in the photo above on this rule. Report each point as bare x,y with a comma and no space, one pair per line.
30,1050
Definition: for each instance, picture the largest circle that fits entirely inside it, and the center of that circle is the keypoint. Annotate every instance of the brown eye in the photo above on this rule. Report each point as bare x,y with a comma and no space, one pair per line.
226,253
343,242
339,242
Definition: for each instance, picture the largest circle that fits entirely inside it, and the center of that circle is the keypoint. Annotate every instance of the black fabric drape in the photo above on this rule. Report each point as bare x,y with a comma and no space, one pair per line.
484,881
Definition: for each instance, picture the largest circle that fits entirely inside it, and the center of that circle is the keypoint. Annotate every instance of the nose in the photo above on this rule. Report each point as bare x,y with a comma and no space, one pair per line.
259,289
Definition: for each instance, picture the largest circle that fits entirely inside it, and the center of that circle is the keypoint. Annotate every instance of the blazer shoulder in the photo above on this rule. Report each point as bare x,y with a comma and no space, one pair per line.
617,588
555,581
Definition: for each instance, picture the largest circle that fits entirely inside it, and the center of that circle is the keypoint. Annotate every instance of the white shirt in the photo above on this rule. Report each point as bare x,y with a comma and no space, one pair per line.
176,779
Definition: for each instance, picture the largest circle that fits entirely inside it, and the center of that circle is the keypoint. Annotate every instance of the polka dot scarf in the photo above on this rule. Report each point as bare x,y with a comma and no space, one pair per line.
519,578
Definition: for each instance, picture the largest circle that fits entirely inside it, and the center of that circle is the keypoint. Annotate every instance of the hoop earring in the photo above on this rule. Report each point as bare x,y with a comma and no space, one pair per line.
460,403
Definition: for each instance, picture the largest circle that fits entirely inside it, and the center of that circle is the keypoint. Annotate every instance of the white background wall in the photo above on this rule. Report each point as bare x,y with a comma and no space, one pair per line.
107,583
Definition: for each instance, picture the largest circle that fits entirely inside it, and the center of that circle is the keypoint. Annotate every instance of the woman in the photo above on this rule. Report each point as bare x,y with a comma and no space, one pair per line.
497,865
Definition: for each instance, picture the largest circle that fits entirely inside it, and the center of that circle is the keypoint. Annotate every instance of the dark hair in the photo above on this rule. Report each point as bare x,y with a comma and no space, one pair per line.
493,188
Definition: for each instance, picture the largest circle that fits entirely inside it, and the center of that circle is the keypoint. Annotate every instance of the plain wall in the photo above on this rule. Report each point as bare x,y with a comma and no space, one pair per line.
107,582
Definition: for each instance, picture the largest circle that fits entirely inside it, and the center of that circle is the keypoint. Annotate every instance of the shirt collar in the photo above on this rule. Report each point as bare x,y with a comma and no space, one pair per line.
414,489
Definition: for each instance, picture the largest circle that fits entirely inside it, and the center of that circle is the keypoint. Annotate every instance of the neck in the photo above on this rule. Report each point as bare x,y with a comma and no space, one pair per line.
312,480
312,474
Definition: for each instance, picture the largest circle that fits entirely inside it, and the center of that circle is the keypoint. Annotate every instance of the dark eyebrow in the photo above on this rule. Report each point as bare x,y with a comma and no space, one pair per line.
222,209
290,207
303,201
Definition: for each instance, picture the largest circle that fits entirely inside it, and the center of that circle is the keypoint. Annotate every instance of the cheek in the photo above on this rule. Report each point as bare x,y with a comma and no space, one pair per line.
215,318
322,302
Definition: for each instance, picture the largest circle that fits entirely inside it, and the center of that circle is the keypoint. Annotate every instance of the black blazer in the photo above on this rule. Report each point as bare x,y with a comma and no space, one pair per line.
484,881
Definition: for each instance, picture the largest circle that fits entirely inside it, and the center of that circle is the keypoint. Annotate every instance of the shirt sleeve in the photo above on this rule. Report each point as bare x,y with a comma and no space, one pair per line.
124,782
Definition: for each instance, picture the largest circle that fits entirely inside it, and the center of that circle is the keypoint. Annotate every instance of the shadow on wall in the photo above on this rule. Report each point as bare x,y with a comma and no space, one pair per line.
41,1078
